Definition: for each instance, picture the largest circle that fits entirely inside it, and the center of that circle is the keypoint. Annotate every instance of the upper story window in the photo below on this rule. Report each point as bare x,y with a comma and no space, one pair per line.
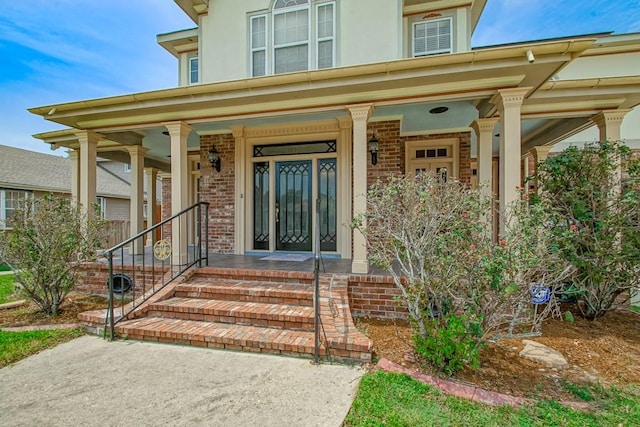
127,167
296,35
193,70
432,37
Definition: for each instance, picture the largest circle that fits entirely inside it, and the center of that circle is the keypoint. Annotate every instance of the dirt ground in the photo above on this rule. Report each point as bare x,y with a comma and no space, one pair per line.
605,352
28,315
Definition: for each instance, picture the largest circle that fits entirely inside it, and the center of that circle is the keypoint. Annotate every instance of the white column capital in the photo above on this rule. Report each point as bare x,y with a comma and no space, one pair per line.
237,131
360,112
508,98
136,150
540,153
609,123
88,137
177,128
484,125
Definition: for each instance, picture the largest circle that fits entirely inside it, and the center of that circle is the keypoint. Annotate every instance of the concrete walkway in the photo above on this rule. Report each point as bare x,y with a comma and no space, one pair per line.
92,382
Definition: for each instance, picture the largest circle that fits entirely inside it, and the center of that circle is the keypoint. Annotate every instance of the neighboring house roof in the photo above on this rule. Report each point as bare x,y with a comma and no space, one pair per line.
30,170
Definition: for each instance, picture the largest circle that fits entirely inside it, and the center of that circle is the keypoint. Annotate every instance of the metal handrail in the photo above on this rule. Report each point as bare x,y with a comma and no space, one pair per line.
195,225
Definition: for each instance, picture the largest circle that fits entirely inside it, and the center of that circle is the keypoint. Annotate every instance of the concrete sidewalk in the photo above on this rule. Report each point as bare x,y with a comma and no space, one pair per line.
92,382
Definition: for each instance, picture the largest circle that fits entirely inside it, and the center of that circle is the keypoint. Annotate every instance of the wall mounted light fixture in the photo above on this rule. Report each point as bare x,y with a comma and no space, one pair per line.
214,158
373,149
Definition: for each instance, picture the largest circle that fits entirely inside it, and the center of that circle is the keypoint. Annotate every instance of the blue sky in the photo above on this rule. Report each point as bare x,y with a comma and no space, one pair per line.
56,51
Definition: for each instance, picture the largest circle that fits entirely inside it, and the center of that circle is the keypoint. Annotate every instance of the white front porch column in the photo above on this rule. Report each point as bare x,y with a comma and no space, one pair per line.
540,154
509,103
179,131
136,203
240,188
344,154
484,135
75,177
360,114
609,123
152,202
88,148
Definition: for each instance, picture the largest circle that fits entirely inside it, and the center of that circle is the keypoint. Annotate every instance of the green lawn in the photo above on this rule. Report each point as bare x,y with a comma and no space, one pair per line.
4,267
391,399
6,288
15,346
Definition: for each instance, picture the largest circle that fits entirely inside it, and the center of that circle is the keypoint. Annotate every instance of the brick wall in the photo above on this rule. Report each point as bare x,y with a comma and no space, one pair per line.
218,188
375,296
92,277
391,150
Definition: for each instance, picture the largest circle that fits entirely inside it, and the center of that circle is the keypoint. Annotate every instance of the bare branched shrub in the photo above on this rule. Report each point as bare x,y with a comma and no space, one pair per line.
48,240
433,238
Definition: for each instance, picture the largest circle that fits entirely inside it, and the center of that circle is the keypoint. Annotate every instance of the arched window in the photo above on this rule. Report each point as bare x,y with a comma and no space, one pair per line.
279,4
295,35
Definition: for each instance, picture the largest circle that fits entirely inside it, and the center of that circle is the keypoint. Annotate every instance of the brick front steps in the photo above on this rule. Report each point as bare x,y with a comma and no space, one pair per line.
250,310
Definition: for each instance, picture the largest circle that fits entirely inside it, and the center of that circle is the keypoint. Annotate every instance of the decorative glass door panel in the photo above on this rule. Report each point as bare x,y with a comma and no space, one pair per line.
328,199
293,206
261,205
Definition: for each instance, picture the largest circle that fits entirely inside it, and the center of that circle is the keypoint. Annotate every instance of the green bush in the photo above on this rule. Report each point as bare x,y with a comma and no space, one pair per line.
595,217
453,342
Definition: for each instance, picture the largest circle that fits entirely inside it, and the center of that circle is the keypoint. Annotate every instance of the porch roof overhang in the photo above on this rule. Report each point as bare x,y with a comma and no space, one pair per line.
473,76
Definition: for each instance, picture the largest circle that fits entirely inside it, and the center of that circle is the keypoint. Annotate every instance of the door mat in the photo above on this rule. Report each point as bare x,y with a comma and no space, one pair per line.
286,257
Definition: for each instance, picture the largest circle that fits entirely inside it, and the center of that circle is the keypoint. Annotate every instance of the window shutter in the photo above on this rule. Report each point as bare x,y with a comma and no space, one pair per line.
432,37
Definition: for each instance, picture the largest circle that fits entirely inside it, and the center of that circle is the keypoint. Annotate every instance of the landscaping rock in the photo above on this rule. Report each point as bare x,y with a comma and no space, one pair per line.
12,304
544,355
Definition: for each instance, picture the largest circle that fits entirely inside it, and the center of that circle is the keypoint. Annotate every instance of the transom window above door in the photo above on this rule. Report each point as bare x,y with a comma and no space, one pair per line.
295,35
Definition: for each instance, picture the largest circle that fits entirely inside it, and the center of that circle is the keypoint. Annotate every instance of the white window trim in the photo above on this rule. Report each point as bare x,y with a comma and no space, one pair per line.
3,199
434,52
190,70
102,203
452,144
252,50
286,10
323,39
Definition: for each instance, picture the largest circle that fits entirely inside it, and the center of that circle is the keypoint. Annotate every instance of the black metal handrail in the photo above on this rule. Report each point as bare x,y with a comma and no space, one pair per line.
154,266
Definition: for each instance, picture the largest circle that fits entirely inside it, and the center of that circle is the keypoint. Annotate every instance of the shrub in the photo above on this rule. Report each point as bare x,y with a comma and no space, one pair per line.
596,217
433,238
49,240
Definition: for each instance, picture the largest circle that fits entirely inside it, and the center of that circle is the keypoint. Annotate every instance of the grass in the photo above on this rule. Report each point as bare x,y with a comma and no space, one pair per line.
6,288
391,399
636,308
4,267
15,346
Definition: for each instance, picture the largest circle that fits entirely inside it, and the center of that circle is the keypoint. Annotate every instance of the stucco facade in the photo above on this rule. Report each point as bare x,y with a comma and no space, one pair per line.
291,95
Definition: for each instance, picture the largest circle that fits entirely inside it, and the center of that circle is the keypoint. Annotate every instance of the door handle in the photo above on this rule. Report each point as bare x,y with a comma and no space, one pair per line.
277,212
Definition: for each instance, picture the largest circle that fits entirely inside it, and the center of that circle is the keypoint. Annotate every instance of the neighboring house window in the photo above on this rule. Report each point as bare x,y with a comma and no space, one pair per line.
9,202
127,167
302,38
101,202
193,70
432,37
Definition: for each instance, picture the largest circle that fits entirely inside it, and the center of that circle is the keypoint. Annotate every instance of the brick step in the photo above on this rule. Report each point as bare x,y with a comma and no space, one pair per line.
239,312
271,276
220,335
243,290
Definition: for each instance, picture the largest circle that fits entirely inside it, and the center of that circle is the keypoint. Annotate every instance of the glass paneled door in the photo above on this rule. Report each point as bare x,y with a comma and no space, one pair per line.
293,206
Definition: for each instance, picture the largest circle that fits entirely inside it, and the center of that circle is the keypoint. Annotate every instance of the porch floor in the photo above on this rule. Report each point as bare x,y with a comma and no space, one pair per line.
267,261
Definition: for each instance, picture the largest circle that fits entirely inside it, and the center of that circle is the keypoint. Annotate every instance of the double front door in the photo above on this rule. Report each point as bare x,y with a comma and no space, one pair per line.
297,184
